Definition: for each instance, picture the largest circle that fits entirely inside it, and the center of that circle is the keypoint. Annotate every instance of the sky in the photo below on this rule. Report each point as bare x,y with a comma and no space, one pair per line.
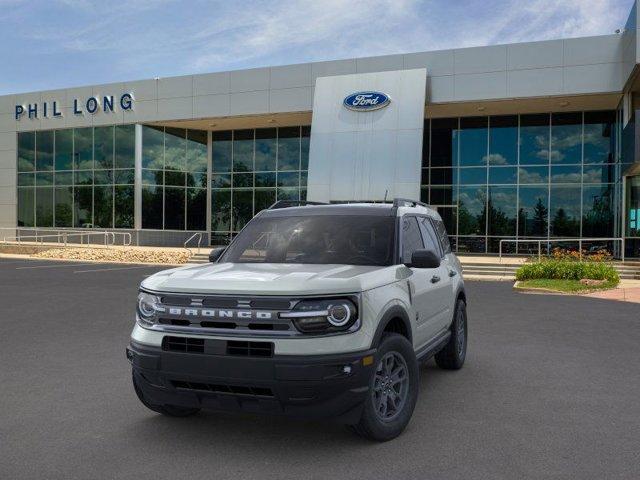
48,44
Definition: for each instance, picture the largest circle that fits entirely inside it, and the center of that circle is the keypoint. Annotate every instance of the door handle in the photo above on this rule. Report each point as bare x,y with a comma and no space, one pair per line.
452,273
435,279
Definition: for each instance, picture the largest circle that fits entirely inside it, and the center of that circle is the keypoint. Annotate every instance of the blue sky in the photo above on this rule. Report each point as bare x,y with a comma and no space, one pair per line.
63,43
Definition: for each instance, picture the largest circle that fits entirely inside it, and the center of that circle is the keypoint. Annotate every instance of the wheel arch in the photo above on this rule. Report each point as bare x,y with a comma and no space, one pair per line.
398,320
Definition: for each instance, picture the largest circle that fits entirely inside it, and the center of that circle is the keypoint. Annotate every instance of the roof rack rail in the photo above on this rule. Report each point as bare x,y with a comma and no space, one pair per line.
293,203
405,202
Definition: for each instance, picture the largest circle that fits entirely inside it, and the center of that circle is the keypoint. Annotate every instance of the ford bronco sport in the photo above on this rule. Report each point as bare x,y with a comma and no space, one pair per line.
313,310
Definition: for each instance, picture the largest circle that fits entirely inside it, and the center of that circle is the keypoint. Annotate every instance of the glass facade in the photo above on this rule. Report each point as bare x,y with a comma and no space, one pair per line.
251,169
81,177
174,179
523,177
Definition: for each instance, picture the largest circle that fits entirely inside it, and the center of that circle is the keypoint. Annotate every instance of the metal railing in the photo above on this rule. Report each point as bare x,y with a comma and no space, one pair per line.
64,238
198,235
548,241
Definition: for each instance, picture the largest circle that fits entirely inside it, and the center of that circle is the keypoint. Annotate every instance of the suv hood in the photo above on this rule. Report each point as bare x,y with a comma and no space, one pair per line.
273,279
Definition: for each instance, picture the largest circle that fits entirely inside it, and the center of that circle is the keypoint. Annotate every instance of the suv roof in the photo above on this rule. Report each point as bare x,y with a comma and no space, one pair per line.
290,208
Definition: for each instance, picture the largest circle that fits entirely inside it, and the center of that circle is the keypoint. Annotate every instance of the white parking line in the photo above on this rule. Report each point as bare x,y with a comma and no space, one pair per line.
114,268
55,266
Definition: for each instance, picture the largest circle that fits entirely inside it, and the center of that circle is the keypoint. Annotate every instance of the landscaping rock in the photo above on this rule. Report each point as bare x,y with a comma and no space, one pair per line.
119,255
592,283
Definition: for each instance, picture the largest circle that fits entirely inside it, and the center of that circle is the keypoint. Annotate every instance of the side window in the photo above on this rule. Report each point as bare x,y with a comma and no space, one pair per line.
429,236
442,234
411,238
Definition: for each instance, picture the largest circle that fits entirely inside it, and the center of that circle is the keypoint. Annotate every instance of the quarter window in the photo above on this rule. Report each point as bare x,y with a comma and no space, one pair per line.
442,234
429,236
411,238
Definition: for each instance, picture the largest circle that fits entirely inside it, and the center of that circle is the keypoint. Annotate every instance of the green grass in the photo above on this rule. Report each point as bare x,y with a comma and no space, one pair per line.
565,286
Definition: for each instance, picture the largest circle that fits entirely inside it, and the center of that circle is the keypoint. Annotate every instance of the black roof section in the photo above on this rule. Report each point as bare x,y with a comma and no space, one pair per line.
295,208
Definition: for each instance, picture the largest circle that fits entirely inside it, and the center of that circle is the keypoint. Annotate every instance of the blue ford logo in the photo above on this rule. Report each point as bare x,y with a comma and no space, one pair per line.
366,101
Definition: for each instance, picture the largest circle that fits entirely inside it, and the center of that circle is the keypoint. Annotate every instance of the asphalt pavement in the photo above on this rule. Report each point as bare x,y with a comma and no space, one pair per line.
551,389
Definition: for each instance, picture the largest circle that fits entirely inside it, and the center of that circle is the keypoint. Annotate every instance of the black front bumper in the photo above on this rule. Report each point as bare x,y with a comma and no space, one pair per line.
319,386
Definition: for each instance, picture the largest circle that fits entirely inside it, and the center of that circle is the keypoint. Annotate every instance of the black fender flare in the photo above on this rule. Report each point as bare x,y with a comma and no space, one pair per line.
395,311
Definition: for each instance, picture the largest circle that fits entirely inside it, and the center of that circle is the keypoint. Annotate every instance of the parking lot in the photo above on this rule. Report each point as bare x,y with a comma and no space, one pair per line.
551,389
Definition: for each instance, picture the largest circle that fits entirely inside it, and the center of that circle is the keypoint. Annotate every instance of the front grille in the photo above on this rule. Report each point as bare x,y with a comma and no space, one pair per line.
183,344
220,388
249,349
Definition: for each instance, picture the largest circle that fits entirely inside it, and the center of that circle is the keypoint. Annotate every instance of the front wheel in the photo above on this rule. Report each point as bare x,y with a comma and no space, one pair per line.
393,391
452,356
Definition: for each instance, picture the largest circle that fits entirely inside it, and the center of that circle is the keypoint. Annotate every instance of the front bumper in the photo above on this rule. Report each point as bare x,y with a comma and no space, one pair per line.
318,386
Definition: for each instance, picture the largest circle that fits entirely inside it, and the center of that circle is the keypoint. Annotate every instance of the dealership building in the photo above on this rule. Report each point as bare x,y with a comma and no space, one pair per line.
527,141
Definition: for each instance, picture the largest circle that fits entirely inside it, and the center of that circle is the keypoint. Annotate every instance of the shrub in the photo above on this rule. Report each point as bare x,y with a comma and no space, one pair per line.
601,255
568,270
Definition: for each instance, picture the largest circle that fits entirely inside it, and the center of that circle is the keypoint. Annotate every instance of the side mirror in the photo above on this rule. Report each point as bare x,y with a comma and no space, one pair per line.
424,258
216,253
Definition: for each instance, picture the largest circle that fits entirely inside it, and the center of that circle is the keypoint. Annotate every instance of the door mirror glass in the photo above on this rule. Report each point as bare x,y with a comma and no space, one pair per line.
424,258
216,253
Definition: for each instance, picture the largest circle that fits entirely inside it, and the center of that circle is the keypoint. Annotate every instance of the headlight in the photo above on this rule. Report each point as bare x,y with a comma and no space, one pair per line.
148,306
324,316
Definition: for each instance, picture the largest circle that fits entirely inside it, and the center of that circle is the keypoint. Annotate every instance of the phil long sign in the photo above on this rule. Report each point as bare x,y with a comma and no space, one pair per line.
91,105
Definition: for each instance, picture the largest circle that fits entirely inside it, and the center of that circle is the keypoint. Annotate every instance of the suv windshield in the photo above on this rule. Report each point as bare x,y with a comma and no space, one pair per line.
320,239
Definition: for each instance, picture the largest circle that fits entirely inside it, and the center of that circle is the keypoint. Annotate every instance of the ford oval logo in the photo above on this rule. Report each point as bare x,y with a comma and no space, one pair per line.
366,101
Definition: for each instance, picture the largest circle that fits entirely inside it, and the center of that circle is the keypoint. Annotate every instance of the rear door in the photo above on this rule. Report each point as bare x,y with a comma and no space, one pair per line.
422,284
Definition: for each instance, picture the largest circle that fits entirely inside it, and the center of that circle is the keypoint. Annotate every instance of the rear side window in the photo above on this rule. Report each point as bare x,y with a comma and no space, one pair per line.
442,235
411,238
429,235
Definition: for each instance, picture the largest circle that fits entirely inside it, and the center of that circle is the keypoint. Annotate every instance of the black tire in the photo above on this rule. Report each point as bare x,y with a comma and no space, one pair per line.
169,410
452,356
383,426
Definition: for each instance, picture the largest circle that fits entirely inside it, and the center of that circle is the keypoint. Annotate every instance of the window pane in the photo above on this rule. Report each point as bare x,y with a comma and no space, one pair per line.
152,147
64,206
288,179
103,207
534,139
266,179
196,209
304,147
152,177
196,151
197,179
124,176
152,207
287,193
599,141
534,174
64,150
222,181
83,177
441,196
26,200
242,208
289,148
503,175
566,138
174,199
175,149
443,142
102,177
266,149
124,206
473,176
103,147
411,238
566,174
83,206
26,179
265,198
44,207
172,178
125,151
600,173
443,176
26,151
242,180
502,210
221,151
473,141
471,210
597,211
564,211
44,179
533,213
83,148
220,210
44,150
243,150
503,140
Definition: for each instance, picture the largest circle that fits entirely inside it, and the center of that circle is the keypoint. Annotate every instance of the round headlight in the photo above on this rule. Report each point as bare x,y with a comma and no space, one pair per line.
339,314
147,305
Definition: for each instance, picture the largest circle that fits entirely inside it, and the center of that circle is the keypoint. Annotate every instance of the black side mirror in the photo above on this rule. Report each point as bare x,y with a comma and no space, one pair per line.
216,253
424,258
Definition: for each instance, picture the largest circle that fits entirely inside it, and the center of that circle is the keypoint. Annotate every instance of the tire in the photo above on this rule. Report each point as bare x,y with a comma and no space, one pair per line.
169,410
452,356
382,423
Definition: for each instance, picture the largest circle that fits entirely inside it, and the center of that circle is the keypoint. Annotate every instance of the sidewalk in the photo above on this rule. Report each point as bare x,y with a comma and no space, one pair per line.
627,291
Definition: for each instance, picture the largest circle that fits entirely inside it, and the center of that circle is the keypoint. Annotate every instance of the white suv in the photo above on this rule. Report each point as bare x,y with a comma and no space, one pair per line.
313,310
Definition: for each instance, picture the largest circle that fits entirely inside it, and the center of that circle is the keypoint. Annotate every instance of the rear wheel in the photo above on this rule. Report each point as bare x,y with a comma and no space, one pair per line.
169,410
452,356
393,391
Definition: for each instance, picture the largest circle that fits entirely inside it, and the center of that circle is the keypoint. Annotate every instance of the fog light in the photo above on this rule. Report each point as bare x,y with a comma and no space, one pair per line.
368,360
346,369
